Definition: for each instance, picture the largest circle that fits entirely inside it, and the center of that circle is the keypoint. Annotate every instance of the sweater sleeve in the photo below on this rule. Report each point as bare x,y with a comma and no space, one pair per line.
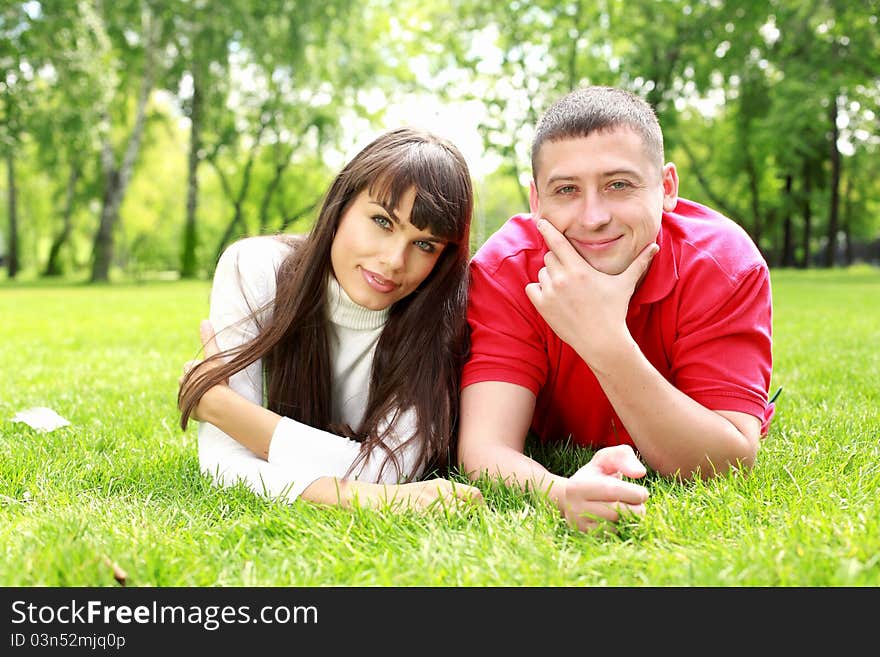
244,285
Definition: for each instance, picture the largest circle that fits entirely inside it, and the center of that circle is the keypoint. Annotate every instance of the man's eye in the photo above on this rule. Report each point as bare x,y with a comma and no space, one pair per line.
619,184
566,189
382,221
425,246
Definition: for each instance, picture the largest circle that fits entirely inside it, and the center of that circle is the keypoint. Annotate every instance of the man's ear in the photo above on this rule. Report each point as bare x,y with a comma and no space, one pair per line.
670,187
533,197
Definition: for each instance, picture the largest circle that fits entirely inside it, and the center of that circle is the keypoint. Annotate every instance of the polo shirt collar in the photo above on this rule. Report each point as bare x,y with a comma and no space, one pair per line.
662,272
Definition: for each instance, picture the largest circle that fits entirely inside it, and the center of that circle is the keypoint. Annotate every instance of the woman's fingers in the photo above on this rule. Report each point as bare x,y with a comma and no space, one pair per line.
468,493
209,341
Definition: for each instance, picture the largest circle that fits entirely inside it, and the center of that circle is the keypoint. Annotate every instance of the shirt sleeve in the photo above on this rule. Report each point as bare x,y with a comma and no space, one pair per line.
508,342
722,356
243,288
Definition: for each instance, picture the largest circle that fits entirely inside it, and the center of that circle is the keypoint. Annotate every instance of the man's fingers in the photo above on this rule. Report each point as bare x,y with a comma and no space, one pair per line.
604,488
550,260
604,516
209,341
639,266
625,510
533,292
543,277
556,242
620,459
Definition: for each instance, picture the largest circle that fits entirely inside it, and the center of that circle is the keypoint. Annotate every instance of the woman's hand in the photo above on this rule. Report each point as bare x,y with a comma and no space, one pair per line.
209,343
433,493
419,495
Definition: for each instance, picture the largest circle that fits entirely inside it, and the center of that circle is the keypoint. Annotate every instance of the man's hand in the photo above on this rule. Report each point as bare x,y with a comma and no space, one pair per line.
209,343
584,307
596,495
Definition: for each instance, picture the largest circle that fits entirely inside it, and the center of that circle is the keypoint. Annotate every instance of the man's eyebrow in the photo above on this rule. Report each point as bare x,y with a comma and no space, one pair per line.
560,176
632,173
564,177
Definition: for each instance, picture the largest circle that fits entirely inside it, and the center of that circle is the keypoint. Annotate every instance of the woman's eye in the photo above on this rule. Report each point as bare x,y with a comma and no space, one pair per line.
425,246
382,221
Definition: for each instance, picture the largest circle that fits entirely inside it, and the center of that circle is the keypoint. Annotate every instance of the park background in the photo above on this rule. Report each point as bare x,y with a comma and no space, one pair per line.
139,138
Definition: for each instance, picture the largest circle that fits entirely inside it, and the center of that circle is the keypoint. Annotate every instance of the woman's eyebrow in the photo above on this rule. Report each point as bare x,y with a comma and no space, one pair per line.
396,219
390,212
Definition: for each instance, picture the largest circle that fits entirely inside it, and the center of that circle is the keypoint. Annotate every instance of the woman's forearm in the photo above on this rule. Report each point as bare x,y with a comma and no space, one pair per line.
247,422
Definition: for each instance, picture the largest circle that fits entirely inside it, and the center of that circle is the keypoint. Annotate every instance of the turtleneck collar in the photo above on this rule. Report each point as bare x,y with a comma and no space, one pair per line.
345,312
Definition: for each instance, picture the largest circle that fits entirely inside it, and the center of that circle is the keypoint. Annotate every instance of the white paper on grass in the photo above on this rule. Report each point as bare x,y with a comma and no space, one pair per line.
41,418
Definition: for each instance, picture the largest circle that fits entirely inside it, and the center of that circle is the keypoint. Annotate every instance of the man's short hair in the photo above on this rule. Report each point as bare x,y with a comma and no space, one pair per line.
598,109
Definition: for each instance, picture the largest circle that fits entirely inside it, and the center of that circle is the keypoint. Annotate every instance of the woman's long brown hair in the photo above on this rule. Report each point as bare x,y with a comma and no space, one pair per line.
422,348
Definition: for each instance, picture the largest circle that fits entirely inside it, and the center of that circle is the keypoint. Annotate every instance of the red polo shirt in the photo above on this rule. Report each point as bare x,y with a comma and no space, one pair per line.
702,317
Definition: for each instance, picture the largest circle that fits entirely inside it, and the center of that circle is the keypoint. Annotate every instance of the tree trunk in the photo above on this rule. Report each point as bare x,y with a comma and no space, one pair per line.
12,253
788,229
190,233
228,233
807,213
102,250
239,198
53,265
754,188
271,188
831,247
117,179
697,169
847,222
289,219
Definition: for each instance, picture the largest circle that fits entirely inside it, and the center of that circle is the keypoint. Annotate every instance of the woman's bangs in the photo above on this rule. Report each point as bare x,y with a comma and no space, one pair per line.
441,204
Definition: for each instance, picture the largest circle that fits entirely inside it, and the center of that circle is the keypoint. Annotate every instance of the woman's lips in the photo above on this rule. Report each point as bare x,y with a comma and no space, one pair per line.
377,282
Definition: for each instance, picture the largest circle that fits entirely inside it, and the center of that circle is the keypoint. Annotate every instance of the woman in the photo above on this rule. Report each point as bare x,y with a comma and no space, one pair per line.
357,332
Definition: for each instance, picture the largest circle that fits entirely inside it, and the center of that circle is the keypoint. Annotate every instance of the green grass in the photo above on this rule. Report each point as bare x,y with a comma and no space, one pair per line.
122,482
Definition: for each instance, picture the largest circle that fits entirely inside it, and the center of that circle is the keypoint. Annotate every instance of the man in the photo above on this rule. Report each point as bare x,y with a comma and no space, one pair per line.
617,315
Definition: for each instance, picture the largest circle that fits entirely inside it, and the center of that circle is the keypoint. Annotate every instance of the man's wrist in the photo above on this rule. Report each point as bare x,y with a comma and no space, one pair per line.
607,355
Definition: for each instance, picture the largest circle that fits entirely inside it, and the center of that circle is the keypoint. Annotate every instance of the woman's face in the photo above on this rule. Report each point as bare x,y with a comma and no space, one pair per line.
377,255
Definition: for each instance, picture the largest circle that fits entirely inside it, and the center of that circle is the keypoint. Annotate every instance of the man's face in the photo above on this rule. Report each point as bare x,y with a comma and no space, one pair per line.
605,193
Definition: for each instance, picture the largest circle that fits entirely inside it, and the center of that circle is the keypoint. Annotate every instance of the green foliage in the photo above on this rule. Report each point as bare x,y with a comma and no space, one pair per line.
251,96
497,197
123,481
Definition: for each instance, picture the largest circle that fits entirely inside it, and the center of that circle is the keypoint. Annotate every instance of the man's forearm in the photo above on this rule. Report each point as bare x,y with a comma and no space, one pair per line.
673,433
514,468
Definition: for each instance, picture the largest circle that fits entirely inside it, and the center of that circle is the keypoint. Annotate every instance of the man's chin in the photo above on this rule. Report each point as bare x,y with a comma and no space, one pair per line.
609,266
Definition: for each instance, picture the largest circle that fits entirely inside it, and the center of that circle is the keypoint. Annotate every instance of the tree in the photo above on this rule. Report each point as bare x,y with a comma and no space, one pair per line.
20,58
141,56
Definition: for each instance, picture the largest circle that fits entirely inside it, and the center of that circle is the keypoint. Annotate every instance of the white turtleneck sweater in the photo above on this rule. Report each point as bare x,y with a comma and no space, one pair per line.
244,281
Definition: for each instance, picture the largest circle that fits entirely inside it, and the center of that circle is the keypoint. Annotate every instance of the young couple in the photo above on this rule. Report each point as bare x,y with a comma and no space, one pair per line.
353,363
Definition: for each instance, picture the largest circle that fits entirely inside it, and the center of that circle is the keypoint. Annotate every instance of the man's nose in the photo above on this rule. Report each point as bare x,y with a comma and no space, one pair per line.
594,213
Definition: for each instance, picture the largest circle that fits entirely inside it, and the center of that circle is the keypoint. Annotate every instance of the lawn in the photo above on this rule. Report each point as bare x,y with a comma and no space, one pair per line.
121,484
